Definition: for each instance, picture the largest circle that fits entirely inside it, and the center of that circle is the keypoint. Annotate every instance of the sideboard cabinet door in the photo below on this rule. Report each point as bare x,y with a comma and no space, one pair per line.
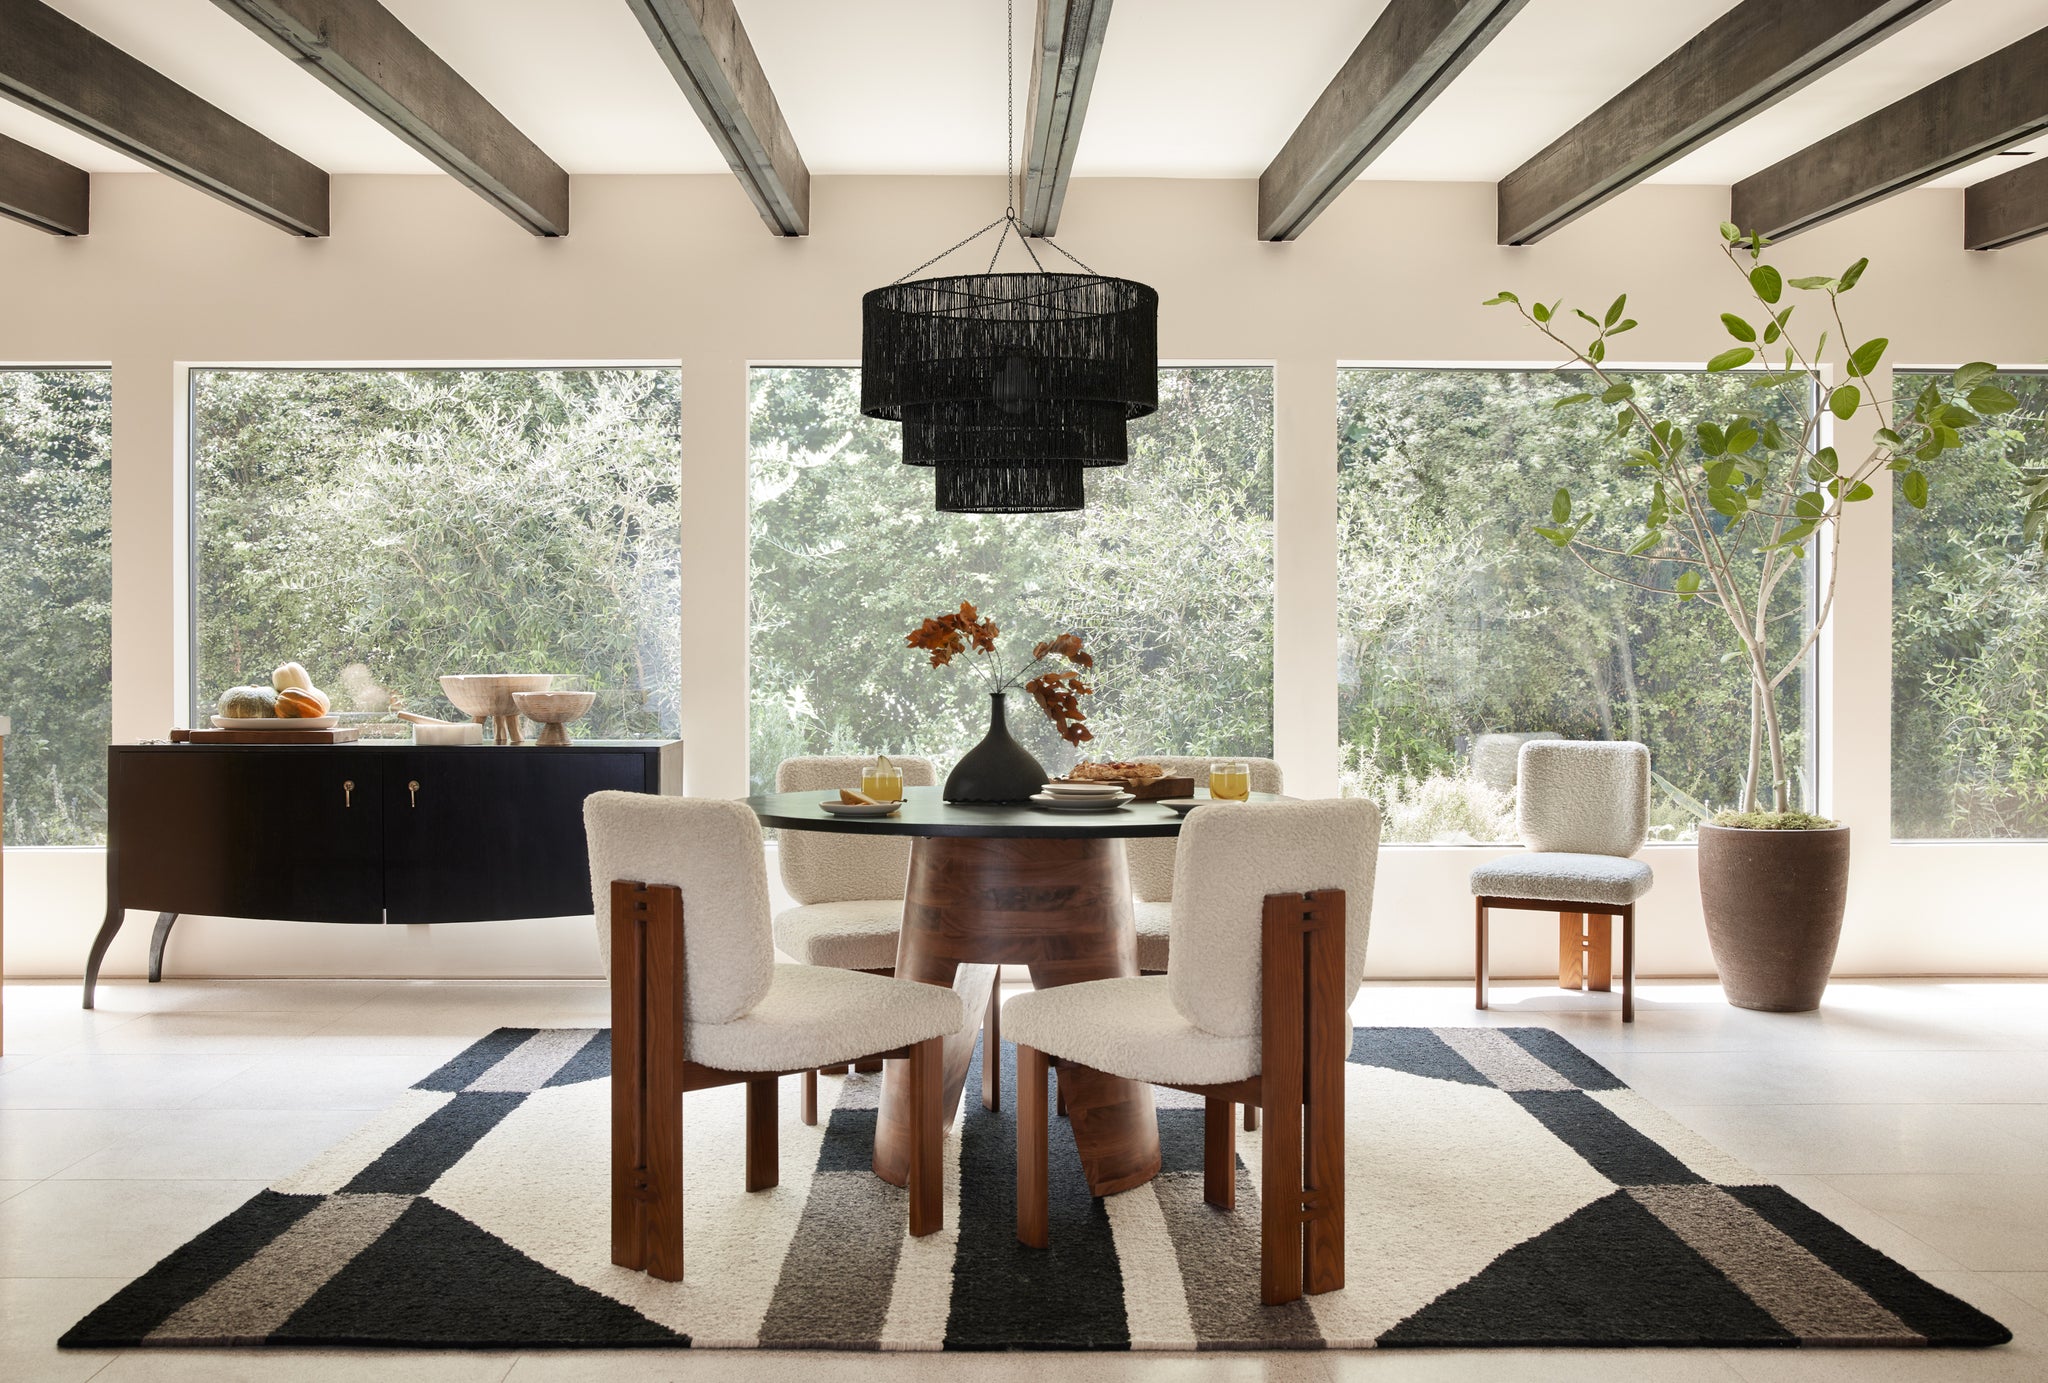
285,833
486,835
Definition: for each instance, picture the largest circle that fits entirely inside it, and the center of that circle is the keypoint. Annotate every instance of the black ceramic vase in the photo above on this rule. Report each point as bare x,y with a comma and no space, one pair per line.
998,769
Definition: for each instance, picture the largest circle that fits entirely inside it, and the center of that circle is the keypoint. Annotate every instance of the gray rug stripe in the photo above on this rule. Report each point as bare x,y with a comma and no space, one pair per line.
1219,1268
1501,1060
1803,1294
251,1302
840,1271
534,1062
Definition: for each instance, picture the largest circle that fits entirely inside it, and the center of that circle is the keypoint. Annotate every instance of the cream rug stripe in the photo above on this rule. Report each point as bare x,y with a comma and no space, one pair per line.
1693,1152
534,1062
342,1163
261,1294
1502,1060
1155,1297
921,1298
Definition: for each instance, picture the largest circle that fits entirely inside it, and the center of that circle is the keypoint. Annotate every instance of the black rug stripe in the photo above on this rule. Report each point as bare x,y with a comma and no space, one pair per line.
1941,1316
1617,1151
1562,1057
434,1280
475,1059
1007,1296
1415,1051
1609,1274
435,1144
189,1271
593,1061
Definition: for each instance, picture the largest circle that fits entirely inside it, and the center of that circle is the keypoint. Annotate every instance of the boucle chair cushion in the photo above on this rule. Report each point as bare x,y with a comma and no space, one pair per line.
821,867
858,935
712,850
812,1016
1584,797
1151,861
1129,1028
1155,926
1555,876
1233,854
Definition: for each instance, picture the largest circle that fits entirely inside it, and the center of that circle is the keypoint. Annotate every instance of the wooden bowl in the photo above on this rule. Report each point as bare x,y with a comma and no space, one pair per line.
488,696
552,710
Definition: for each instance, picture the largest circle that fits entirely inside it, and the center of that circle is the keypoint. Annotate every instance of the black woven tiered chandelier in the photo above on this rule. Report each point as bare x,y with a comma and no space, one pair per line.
1010,385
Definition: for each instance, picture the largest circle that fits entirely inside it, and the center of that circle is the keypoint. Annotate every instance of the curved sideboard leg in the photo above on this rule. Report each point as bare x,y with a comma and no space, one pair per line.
108,930
157,943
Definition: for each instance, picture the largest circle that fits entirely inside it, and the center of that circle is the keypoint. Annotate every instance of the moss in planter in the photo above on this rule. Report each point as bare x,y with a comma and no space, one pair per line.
1774,821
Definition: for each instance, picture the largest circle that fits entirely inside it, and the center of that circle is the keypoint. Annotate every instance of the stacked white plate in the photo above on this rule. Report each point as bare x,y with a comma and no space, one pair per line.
1081,797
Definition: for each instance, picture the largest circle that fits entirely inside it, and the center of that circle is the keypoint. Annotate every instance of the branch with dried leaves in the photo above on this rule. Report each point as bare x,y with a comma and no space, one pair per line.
965,632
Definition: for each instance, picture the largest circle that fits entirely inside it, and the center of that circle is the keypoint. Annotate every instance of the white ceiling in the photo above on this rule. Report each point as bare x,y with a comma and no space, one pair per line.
1186,88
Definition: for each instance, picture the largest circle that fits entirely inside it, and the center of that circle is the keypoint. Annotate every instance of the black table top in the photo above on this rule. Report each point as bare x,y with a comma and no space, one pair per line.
925,813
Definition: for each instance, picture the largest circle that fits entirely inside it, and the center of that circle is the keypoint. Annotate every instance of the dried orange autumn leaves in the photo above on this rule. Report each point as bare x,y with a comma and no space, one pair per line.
1057,693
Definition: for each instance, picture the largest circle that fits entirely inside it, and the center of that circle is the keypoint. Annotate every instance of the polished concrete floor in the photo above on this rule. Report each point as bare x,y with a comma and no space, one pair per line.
1913,1112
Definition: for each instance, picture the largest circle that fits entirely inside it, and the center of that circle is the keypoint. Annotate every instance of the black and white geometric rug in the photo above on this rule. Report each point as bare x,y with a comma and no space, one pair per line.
1502,1189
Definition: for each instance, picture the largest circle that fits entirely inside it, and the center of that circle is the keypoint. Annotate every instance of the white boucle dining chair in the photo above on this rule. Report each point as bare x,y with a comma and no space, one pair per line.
1582,809
849,891
680,887
1272,904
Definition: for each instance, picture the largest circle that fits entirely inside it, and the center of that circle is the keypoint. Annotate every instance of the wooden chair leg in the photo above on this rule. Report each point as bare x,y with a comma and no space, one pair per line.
992,1048
1034,1210
1599,952
1251,1118
809,1112
1219,1154
868,1067
1479,953
647,1079
927,1121
763,1164
1628,964
1571,950
1301,1087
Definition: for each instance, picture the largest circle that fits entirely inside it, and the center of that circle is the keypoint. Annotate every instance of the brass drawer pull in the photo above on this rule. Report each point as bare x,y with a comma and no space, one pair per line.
348,792
413,788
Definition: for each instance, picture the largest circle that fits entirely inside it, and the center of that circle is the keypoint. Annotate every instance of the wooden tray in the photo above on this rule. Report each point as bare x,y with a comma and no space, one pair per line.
1153,791
335,736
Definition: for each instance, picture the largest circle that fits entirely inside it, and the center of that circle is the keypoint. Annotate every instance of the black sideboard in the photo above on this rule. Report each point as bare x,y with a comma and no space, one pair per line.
368,832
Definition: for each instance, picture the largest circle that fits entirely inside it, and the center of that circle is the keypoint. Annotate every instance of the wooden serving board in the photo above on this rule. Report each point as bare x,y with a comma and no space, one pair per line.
335,736
1154,791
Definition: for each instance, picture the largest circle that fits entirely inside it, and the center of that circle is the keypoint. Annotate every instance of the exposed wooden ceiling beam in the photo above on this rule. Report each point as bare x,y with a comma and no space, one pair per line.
2007,209
1062,75
64,71
1411,53
359,48
41,191
707,51
1746,61
1991,104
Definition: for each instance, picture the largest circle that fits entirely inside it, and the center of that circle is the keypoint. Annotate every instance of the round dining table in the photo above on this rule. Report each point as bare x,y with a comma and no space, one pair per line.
1011,884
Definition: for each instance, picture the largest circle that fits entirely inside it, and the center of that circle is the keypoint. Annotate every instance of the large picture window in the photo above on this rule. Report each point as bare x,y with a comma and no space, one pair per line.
1168,574
56,599
1970,636
1462,632
384,527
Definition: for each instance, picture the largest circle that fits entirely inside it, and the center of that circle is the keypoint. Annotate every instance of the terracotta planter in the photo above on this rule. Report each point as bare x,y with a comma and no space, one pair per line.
1773,902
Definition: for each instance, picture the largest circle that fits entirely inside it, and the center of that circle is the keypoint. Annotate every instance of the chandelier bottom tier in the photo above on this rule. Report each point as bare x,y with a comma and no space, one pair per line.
1052,489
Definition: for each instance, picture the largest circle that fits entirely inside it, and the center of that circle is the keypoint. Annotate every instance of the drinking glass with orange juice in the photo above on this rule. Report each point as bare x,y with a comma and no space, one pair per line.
882,781
1230,782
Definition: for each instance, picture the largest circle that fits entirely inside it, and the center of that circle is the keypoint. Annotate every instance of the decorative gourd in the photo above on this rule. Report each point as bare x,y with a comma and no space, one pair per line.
247,703
291,675
298,703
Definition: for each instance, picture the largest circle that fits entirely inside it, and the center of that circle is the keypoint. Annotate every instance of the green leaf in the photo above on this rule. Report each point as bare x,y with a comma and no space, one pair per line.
1972,373
1737,328
1730,232
1930,448
1559,537
1644,544
1501,297
1859,491
1771,334
1570,399
1688,585
1731,359
1540,312
1614,310
1627,324
1864,358
1733,503
1813,282
1842,403
1768,283
1955,415
1561,506
1712,440
1586,317
1774,436
1615,393
1597,352
1851,274
1741,437
1989,398
1913,485
1824,464
1809,505
1890,438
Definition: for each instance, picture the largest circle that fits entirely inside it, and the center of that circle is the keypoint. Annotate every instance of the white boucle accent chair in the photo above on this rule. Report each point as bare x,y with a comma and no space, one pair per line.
1582,809
848,889
681,893
1151,861
1272,903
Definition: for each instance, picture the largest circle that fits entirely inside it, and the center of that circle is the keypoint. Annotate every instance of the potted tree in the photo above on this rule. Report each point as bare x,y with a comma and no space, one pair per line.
1730,508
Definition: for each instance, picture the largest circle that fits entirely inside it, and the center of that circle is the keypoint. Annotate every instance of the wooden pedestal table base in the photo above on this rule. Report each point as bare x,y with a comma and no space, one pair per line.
1061,907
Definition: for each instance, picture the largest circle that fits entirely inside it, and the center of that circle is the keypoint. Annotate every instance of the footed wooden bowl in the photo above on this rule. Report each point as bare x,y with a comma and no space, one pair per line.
552,710
488,696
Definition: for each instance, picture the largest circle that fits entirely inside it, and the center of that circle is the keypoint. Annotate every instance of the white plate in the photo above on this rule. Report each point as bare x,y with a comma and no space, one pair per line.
274,722
1082,789
1183,805
1046,801
838,808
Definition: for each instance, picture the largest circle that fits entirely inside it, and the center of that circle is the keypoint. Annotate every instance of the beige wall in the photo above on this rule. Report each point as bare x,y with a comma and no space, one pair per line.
679,269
